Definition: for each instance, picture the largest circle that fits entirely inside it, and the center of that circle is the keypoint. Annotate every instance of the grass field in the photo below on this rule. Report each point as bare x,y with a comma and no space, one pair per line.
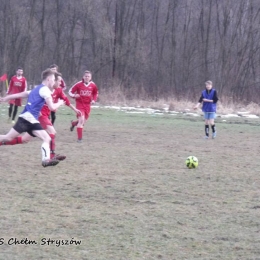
125,192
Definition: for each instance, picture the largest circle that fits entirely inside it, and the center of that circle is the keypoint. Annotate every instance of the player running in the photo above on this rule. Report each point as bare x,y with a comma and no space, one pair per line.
85,92
55,68
45,122
28,120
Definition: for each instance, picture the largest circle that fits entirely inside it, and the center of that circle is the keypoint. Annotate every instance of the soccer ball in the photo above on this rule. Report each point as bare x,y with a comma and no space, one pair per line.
192,162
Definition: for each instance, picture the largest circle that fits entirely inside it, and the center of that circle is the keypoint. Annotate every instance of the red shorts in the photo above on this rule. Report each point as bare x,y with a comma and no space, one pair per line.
17,102
85,111
44,121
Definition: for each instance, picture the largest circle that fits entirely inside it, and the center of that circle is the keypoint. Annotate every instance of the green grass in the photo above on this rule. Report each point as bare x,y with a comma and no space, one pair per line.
126,193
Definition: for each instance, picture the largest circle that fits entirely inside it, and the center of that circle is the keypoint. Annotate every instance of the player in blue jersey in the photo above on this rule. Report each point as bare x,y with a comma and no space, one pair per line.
28,119
209,98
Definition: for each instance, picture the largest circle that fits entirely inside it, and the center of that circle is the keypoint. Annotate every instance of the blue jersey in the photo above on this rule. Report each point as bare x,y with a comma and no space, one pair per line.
208,106
35,102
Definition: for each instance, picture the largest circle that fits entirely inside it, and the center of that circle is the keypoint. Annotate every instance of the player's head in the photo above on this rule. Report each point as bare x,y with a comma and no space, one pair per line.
54,67
208,84
48,77
58,78
19,71
87,76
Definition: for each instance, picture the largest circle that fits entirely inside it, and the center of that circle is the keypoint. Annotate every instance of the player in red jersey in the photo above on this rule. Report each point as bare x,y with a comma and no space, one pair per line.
45,115
55,68
85,92
45,121
17,84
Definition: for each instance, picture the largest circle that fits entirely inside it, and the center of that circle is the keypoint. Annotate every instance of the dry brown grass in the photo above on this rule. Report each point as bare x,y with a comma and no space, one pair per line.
115,96
253,108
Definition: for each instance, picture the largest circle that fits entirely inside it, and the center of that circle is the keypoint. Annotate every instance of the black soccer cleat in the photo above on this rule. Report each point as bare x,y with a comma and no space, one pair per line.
59,157
72,126
51,162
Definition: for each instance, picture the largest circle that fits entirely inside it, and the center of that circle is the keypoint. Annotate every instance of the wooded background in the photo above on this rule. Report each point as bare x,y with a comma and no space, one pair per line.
160,48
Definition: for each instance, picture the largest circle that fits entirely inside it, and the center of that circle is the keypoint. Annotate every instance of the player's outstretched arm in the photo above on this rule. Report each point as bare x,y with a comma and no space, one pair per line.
23,94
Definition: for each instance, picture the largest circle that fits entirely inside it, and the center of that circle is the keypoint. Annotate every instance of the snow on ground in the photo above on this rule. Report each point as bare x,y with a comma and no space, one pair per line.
151,111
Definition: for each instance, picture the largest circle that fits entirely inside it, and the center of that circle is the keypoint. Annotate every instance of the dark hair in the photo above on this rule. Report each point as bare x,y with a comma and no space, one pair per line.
46,73
54,66
19,68
87,71
57,74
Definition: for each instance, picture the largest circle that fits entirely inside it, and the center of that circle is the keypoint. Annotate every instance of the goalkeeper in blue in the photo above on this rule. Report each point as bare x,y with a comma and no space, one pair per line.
209,99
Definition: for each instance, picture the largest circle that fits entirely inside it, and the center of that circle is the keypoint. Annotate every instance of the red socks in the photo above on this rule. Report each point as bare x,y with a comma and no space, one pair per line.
52,145
16,140
79,131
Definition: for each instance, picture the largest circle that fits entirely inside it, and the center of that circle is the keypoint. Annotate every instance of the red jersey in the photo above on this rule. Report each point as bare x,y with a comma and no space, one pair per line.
87,92
56,95
17,85
63,85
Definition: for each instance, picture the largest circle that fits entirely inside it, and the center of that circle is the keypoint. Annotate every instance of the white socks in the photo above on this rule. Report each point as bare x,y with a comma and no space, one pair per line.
45,151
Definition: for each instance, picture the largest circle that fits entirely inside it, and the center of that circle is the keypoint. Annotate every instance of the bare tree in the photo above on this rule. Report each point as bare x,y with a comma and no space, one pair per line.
165,48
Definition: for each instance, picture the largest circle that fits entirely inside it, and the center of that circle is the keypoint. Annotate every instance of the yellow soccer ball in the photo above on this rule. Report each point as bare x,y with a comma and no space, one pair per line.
192,162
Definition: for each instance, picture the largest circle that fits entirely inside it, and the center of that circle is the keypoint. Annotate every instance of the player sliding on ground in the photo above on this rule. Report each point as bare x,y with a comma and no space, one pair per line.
28,120
45,122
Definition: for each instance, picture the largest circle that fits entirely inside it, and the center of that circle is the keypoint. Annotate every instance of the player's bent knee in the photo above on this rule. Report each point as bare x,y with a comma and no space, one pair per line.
47,139
50,130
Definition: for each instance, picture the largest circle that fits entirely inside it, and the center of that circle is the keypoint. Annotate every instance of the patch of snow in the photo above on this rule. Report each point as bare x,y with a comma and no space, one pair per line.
242,113
160,114
229,115
134,112
250,116
112,107
165,110
128,108
191,114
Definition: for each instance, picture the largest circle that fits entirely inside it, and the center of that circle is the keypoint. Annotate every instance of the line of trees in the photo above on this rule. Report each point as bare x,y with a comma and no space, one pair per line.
159,47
